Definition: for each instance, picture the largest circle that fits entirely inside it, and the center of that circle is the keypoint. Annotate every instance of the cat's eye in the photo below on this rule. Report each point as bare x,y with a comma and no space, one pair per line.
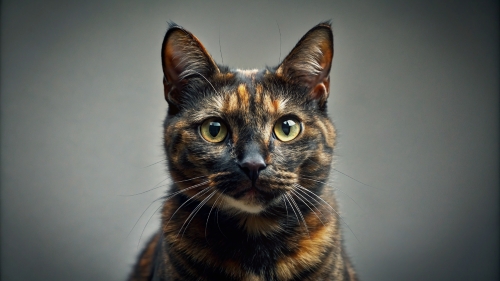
287,129
213,130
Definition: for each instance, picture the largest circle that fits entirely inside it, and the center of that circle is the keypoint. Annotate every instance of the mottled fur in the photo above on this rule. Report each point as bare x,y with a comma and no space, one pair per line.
222,222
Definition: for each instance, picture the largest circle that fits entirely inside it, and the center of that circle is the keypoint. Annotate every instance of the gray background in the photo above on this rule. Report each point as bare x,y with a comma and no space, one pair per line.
414,96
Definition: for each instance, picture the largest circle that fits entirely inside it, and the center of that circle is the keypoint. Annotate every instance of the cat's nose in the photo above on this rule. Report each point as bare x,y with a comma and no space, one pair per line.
252,164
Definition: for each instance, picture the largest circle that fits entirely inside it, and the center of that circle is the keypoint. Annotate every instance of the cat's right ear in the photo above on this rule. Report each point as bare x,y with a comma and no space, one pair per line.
309,63
183,58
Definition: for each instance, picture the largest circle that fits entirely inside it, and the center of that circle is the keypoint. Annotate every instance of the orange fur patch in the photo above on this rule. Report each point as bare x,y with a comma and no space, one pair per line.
258,93
268,104
243,96
310,251
231,103
276,105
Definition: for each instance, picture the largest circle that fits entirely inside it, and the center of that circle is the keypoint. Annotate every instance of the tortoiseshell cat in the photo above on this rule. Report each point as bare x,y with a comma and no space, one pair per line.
249,152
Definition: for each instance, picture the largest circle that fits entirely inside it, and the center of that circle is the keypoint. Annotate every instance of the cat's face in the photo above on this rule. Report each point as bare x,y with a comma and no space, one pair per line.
246,139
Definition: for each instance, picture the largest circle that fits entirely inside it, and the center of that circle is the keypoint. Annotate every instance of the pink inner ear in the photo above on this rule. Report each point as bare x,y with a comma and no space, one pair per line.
319,91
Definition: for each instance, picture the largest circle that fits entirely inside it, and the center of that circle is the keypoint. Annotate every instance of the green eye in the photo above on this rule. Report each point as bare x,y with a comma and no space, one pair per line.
287,129
213,130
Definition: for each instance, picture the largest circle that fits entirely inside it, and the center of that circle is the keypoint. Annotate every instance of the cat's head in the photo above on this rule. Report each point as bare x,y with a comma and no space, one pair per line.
247,138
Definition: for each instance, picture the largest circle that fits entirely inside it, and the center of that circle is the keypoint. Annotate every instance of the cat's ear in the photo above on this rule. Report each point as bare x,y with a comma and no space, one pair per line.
183,58
309,63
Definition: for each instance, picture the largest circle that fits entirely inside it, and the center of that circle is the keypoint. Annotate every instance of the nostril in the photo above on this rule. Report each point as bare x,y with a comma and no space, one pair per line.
252,166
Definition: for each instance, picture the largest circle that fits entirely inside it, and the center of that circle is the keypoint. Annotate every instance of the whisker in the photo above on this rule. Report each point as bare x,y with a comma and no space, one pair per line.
342,173
208,217
302,198
315,200
358,180
163,160
140,237
296,216
336,190
338,215
166,178
158,186
185,189
195,211
190,179
315,195
286,208
187,201
217,215
220,48
300,213
150,204
142,192
166,198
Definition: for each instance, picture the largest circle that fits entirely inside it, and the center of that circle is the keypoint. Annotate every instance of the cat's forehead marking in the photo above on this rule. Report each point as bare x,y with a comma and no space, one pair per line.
249,96
276,105
238,100
243,96
231,103
258,93
273,105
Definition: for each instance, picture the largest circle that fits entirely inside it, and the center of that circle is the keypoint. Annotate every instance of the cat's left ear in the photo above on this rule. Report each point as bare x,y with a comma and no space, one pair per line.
184,59
309,63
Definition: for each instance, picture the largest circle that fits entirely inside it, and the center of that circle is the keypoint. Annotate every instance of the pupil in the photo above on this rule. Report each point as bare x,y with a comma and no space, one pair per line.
285,127
214,128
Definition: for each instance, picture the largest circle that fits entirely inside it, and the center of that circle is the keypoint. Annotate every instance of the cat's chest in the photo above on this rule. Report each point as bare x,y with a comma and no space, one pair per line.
281,256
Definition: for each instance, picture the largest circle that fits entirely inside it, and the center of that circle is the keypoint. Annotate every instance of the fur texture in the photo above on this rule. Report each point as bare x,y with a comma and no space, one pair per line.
249,153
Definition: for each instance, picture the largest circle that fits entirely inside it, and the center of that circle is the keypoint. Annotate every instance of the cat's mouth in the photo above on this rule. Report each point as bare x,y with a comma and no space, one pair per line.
242,194
252,198
257,192
245,192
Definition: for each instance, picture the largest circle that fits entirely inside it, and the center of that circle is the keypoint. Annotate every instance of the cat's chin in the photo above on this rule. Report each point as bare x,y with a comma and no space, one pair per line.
242,206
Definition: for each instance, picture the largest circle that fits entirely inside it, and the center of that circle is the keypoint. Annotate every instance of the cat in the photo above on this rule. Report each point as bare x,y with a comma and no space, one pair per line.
249,153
